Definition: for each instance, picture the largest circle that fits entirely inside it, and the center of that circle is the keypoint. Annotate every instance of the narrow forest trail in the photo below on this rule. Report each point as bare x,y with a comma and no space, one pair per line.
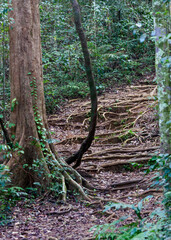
127,130
127,134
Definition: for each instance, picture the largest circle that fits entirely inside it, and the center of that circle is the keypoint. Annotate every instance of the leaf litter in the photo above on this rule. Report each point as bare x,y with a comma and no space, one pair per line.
126,138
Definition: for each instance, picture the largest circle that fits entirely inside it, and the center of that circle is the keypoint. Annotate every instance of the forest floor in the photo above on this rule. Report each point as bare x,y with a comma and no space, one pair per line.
126,138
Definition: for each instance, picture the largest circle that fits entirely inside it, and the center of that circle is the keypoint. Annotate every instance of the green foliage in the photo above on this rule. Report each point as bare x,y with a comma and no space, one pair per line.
156,226
9,194
124,205
55,96
5,150
114,30
162,163
4,51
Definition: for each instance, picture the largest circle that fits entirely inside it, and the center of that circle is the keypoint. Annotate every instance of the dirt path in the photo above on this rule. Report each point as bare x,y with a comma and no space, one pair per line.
127,133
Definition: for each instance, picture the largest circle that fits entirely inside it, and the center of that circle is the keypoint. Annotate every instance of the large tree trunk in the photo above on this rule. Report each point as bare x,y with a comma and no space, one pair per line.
26,85
34,160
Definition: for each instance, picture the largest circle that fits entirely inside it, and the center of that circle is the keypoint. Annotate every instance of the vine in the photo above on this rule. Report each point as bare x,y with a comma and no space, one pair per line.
57,185
40,128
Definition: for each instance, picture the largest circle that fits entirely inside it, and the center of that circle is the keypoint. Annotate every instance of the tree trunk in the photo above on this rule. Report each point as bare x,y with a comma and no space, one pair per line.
162,25
87,142
34,159
162,12
27,111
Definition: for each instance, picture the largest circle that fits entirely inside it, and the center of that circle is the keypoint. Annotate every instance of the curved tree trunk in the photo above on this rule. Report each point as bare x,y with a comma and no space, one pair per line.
34,159
87,142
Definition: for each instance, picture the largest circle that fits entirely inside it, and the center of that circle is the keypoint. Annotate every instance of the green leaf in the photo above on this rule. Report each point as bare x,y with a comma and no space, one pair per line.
139,24
143,37
13,104
11,125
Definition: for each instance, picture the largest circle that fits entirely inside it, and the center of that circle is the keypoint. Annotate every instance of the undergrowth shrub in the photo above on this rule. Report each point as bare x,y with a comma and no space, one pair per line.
157,226
55,96
9,194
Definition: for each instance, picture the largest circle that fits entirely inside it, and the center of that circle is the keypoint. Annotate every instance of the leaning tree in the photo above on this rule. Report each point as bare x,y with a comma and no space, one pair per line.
34,158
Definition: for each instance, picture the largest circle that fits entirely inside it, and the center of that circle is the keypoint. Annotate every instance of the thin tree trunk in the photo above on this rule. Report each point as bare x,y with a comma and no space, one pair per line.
87,142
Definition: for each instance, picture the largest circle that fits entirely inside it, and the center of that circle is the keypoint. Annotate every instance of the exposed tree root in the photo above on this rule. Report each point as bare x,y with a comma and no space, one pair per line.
100,200
111,164
143,86
114,157
120,150
121,134
133,101
134,181
77,116
112,215
145,193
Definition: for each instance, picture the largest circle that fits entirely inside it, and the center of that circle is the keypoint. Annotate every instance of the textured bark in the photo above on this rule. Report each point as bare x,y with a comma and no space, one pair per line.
163,47
25,66
87,142
28,109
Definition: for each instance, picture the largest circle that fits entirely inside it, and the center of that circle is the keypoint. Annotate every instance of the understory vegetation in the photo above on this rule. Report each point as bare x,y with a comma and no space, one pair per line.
157,225
115,33
121,42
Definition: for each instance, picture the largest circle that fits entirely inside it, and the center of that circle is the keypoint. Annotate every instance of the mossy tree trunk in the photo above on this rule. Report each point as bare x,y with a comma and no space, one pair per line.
162,21
35,159
163,47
